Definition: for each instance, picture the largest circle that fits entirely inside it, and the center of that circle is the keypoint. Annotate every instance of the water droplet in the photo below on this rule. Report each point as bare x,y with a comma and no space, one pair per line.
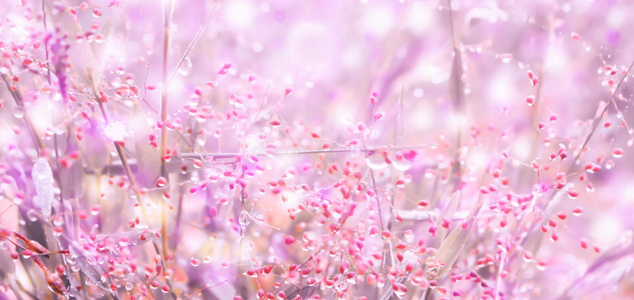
587,47
573,194
186,67
58,220
402,164
95,210
100,38
31,215
376,162
618,152
19,112
244,218
381,282
195,262
506,57
251,273
408,236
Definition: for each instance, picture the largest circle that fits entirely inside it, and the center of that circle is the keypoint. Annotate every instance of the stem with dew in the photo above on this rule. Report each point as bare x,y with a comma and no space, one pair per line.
163,147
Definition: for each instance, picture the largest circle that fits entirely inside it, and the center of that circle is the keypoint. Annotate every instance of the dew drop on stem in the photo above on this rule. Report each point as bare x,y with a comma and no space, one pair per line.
186,67
244,219
31,215
402,164
376,162
19,112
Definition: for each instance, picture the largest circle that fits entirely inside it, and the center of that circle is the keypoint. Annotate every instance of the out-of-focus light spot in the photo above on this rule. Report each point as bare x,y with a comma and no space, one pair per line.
311,46
566,7
238,14
521,147
455,5
148,39
257,47
42,115
479,158
265,7
498,91
424,118
419,17
116,131
343,114
377,20
6,137
491,13
176,85
627,193
456,121
606,230
352,56
432,73
418,93
556,60
292,199
615,17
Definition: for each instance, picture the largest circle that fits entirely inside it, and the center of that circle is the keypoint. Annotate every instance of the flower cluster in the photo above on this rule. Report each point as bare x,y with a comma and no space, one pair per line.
253,149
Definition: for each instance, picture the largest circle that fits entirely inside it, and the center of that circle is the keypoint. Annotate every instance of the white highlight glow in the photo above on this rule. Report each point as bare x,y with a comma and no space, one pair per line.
378,21
238,14
116,131
606,230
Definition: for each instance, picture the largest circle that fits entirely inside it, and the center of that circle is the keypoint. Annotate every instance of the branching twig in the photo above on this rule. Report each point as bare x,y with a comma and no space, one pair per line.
597,119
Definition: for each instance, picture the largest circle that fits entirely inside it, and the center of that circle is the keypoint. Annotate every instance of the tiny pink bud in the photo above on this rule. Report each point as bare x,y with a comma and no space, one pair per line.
161,182
573,194
553,118
618,152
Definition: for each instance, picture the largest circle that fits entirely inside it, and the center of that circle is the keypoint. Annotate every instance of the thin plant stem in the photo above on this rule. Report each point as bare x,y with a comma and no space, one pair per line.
164,99
597,120
48,70
194,41
133,183
17,97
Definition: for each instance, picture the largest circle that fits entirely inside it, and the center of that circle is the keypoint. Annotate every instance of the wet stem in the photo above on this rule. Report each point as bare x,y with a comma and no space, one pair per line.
133,185
19,102
39,147
163,147
388,244
597,120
